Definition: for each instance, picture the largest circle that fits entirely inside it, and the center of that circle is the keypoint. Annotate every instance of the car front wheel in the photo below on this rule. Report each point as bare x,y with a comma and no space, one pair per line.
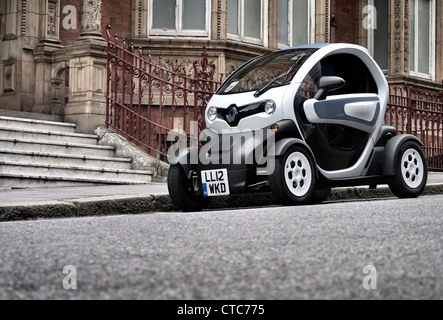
293,179
182,191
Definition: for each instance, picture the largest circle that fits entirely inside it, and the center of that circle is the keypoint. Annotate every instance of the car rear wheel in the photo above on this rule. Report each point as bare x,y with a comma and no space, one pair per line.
293,179
412,172
182,191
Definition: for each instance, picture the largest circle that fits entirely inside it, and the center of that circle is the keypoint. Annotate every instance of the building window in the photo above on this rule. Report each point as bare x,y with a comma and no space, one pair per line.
296,22
377,24
179,18
248,21
422,44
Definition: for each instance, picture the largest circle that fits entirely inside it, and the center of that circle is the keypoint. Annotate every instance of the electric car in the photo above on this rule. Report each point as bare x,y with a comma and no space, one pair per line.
298,122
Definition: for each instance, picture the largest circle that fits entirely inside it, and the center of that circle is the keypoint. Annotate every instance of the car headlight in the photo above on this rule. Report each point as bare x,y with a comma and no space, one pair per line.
212,113
270,107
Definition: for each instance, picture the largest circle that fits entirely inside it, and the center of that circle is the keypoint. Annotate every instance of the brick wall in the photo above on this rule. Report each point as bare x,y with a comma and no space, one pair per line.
345,21
114,12
117,13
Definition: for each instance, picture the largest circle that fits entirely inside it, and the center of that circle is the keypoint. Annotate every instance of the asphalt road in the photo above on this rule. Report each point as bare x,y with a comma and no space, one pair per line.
380,249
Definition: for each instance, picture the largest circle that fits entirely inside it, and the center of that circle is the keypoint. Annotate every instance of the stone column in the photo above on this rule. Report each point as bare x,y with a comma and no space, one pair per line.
19,34
48,21
273,25
87,72
219,19
399,39
91,19
322,21
139,18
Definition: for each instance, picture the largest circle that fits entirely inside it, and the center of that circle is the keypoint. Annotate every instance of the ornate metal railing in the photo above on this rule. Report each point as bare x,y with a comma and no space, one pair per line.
146,99
420,114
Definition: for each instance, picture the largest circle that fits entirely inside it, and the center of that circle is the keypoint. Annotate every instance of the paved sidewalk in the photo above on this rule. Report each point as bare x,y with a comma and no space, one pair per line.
24,204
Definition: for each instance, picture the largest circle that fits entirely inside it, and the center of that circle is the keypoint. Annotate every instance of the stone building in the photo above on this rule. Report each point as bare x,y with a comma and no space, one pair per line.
53,52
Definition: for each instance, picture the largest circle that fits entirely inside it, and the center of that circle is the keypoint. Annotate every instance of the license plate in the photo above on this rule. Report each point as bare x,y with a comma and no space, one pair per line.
215,182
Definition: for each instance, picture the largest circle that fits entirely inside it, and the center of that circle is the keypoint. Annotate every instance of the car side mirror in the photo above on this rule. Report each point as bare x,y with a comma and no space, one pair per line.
328,83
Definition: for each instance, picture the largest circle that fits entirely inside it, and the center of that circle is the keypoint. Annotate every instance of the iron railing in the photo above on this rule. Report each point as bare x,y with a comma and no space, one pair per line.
420,114
146,99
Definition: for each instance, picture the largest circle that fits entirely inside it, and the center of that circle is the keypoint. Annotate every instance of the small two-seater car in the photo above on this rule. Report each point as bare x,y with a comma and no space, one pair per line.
299,122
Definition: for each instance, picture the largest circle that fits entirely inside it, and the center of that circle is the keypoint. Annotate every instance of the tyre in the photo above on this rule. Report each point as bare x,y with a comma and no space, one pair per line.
319,195
412,172
182,192
293,179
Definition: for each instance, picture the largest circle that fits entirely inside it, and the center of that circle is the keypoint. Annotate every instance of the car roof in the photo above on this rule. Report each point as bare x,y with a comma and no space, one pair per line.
309,46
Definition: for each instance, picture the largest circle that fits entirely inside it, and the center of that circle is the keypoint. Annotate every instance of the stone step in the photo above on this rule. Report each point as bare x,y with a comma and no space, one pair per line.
31,115
41,153
56,147
57,172
23,123
47,135
8,181
21,156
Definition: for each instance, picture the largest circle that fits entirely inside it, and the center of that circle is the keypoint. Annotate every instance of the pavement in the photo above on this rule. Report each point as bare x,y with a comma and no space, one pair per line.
101,200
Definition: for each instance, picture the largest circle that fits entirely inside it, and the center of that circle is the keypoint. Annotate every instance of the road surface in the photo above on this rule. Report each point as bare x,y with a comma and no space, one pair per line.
379,249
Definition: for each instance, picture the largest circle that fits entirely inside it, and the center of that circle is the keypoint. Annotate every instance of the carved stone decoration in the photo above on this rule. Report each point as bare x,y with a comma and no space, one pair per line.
52,18
401,37
231,66
55,91
9,77
91,18
400,45
24,17
219,10
139,18
406,37
397,36
327,22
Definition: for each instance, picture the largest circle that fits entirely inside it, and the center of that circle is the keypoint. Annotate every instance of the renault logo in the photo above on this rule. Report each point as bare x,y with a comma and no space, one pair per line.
231,113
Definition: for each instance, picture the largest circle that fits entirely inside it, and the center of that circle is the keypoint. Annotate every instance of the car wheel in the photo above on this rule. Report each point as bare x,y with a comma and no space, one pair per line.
293,179
182,192
412,172
319,195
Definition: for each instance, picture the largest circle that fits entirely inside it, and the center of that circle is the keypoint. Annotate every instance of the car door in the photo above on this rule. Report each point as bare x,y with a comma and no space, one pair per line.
358,111
341,116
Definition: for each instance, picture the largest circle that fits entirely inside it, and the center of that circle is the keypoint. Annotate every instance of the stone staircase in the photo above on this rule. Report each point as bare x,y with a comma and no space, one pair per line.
42,153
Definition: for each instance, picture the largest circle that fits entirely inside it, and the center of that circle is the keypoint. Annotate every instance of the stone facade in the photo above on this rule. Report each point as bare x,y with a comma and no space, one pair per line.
53,52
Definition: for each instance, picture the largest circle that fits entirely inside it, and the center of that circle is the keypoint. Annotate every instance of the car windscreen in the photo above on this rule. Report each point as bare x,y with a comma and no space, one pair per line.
266,72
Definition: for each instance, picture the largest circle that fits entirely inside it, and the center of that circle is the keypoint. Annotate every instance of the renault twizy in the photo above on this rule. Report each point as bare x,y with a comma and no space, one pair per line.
299,122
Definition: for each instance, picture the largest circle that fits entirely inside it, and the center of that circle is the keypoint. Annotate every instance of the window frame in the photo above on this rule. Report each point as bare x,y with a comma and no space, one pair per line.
414,46
179,31
310,27
371,37
241,25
